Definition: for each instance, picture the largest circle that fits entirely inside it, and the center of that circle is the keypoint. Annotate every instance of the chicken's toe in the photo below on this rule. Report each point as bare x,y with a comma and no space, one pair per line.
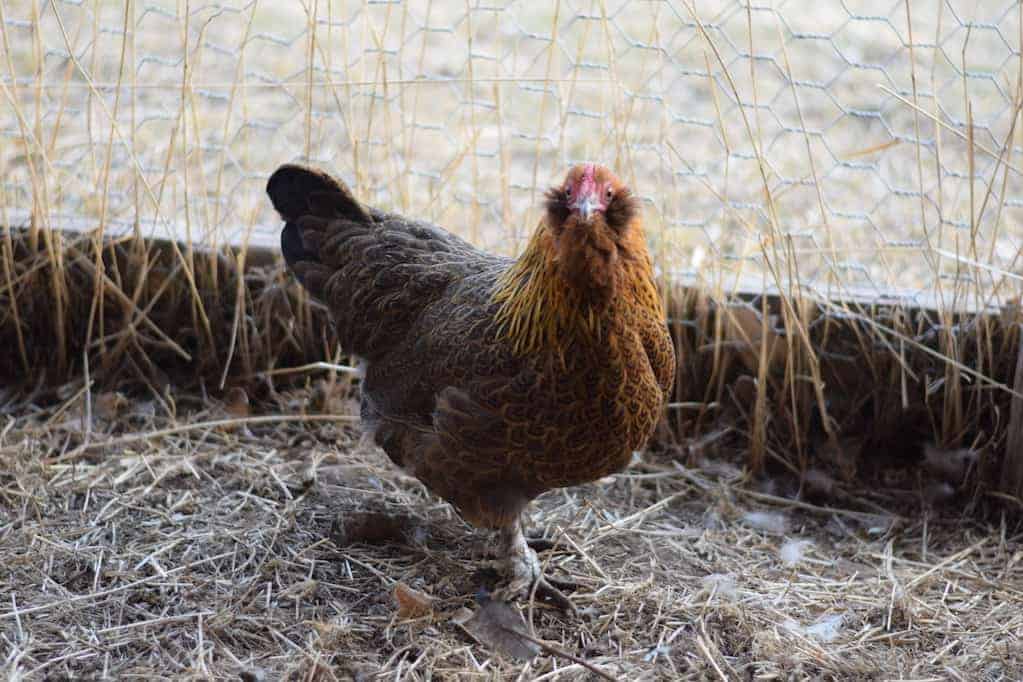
546,591
542,543
525,573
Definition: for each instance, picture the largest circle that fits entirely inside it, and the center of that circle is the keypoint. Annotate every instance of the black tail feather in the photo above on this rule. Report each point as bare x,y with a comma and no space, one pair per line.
296,191
308,200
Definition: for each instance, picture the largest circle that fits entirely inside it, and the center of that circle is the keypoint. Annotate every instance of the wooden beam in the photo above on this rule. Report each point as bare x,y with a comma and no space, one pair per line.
1012,464
263,248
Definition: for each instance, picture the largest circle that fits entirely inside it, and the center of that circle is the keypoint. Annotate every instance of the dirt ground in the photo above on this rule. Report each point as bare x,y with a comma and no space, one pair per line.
217,544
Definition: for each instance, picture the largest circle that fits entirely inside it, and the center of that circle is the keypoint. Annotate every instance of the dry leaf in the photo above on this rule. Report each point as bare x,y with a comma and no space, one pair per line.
109,405
412,603
818,484
843,454
236,402
301,590
495,625
745,327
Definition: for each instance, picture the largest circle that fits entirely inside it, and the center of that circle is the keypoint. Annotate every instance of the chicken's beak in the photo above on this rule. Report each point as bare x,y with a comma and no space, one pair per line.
587,205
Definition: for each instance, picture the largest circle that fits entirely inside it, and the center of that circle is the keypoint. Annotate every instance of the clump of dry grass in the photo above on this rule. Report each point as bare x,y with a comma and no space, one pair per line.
130,313
216,551
905,398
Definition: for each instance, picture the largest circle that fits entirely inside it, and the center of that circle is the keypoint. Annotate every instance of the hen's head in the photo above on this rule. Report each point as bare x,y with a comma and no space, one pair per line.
588,252
593,221
591,195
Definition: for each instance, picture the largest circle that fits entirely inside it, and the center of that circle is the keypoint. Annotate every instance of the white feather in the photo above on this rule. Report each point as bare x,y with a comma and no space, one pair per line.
770,522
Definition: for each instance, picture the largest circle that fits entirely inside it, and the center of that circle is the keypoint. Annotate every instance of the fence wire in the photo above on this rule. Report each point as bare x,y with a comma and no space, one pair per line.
846,146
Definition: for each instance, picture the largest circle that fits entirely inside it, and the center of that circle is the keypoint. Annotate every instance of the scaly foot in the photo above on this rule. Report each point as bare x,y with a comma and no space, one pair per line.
524,571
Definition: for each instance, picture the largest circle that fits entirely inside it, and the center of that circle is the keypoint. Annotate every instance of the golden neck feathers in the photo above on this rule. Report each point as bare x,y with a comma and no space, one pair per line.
541,306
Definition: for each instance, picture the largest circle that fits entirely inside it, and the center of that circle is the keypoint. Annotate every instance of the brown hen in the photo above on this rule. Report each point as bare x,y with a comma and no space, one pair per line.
492,379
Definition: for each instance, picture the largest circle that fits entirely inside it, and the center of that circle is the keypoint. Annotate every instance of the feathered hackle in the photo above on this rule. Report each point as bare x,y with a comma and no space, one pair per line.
536,309
539,309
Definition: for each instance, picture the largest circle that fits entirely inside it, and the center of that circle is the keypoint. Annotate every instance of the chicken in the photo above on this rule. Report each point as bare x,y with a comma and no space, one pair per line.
491,379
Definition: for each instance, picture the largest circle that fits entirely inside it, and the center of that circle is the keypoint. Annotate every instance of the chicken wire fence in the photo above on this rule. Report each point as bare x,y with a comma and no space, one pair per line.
846,146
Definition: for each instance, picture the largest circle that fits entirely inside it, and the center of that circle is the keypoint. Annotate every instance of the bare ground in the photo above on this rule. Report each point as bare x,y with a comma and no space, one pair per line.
246,549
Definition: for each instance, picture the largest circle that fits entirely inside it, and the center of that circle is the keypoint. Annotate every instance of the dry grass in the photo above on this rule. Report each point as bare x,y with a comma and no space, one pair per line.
891,396
213,552
130,312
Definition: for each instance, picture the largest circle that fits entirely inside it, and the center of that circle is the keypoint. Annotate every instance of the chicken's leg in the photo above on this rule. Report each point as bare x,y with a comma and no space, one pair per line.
524,570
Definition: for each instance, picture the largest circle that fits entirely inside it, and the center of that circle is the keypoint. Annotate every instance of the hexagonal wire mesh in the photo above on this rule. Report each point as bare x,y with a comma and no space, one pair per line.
847,145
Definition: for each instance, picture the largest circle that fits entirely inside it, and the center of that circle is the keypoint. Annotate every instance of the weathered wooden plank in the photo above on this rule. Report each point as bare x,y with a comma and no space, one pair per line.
263,248
1012,464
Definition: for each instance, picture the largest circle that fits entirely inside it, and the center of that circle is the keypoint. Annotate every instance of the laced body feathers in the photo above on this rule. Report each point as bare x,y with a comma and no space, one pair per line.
489,379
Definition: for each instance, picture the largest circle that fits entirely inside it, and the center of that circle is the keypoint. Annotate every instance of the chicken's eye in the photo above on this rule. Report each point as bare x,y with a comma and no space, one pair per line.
568,192
609,194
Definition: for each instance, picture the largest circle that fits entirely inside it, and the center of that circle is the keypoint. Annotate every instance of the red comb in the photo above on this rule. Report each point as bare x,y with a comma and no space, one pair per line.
588,182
